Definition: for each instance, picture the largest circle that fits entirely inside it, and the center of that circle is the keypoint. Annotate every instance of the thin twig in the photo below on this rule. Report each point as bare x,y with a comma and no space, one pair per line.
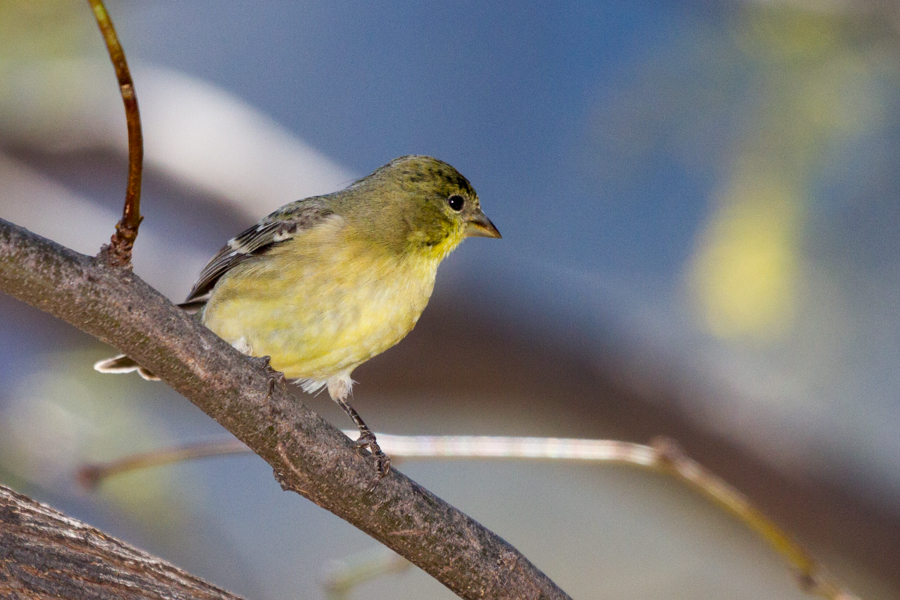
122,241
812,576
663,455
91,476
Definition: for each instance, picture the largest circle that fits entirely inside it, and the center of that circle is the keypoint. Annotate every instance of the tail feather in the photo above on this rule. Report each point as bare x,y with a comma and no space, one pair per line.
124,364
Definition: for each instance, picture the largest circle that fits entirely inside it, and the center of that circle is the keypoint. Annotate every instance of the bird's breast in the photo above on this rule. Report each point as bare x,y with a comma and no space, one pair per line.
321,310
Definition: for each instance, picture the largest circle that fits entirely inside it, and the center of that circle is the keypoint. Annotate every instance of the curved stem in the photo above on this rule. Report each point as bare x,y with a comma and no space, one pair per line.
122,241
664,455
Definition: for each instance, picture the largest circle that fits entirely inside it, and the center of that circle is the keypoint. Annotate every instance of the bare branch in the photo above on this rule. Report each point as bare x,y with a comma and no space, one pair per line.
663,456
92,475
812,576
119,250
308,455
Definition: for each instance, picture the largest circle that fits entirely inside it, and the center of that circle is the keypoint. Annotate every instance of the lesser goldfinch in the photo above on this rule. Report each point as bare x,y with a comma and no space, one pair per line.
321,285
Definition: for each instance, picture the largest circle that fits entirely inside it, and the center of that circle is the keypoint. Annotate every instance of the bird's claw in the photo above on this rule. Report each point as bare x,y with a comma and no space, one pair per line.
273,377
366,441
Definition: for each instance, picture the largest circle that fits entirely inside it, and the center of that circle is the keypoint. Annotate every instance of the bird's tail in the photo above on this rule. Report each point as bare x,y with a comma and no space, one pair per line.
124,364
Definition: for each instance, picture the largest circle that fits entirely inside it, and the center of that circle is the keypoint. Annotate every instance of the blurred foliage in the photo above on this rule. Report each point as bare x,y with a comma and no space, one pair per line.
40,36
55,420
768,109
745,272
40,29
817,86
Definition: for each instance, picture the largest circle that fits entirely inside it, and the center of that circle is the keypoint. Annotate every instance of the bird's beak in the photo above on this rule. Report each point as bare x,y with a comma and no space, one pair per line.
480,226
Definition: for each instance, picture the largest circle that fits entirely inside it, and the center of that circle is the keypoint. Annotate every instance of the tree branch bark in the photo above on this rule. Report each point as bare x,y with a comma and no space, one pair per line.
44,554
308,455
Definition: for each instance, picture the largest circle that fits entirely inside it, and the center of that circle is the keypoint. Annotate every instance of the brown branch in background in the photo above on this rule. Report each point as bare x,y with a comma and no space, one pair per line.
813,578
90,476
664,455
118,252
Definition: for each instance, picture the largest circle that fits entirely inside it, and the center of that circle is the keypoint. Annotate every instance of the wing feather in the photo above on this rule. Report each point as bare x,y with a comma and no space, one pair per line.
282,225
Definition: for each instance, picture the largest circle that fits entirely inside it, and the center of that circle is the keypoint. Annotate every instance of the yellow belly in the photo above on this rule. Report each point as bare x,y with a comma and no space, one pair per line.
322,306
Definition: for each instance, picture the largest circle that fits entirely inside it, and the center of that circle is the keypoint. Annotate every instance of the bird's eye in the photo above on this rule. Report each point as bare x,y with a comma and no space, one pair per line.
456,202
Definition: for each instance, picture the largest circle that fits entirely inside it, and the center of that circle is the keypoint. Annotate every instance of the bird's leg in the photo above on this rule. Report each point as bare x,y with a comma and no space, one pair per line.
367,441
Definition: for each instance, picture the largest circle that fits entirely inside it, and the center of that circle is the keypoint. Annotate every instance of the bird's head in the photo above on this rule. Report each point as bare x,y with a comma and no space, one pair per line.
419,204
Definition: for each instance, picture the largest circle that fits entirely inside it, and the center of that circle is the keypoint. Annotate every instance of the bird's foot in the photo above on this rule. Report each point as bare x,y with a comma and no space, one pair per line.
366,441
273,377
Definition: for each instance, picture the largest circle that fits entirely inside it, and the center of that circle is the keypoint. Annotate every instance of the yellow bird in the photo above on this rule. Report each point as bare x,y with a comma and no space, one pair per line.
322,285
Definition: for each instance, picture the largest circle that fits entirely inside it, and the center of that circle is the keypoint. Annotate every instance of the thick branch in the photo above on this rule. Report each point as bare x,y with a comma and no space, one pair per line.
308,455
45,554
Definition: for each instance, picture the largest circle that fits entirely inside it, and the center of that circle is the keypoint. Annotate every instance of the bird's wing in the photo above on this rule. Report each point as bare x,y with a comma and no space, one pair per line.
285,223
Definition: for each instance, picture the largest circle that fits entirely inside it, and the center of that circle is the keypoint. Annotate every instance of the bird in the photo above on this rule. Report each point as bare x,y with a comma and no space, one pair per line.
323,284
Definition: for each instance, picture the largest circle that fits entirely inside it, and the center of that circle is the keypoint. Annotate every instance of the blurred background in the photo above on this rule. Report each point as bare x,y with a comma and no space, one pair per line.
700,205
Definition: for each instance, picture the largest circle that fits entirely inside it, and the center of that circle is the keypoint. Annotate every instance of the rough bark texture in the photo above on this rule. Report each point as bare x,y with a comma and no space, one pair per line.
45,554
308,455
